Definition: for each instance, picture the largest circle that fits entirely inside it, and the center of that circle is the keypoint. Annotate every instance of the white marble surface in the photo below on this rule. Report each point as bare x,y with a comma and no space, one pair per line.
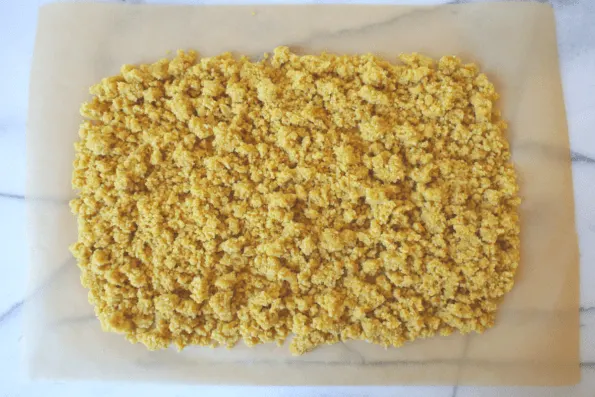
576,40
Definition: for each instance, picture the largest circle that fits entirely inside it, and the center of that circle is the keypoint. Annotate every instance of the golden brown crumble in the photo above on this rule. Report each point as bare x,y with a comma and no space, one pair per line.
329,197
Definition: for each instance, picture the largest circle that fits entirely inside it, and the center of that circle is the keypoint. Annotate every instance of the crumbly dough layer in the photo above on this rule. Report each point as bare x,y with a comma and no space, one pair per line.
329,197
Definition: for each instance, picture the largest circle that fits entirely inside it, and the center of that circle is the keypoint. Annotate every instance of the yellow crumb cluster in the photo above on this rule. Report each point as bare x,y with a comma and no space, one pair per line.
329,197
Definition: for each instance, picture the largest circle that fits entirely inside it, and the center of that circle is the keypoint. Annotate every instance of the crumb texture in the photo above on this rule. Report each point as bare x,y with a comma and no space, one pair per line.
329,197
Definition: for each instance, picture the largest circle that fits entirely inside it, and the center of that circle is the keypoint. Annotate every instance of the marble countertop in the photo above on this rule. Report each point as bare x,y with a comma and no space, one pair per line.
576,42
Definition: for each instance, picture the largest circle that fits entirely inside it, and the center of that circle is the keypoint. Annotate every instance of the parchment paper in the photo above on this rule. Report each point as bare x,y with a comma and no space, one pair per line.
535,340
